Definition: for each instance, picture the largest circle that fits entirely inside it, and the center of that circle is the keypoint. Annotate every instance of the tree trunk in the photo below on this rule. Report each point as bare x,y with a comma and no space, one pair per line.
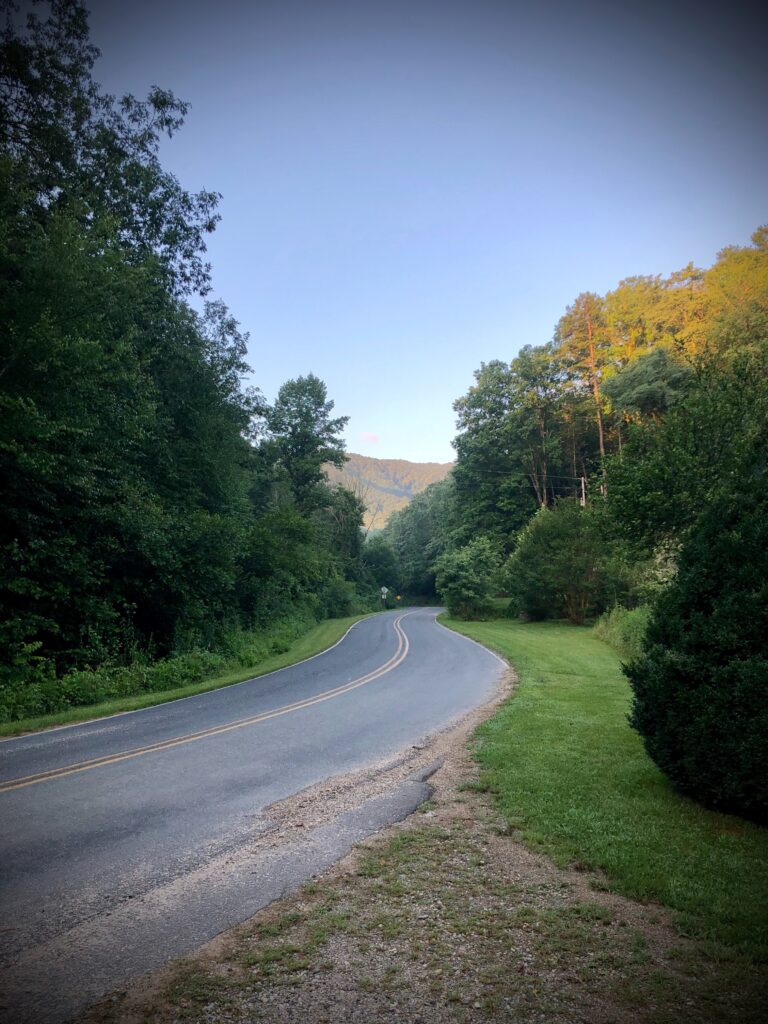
543,435
596,388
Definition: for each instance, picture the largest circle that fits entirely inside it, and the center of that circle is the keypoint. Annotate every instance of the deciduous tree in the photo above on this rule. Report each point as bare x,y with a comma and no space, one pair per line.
302,438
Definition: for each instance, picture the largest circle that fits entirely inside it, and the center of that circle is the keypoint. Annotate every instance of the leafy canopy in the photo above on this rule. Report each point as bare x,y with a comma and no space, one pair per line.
465,578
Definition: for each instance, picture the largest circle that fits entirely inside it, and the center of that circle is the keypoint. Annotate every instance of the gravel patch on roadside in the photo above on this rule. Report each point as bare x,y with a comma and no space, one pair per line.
445,917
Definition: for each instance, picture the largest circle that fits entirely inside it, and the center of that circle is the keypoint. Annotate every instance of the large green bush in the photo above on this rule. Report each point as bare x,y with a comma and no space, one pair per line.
565,565
464,578
701,684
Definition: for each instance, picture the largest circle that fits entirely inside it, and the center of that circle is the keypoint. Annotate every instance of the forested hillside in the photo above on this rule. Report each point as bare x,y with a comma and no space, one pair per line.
385,485
621,468
152,506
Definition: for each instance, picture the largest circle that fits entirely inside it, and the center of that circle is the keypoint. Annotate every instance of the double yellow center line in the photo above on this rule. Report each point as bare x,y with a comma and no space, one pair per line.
99,762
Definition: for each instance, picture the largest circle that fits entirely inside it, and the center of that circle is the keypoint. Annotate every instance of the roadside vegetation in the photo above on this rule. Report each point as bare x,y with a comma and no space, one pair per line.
619,473
111,691
572,778
161,522
449,917
624,629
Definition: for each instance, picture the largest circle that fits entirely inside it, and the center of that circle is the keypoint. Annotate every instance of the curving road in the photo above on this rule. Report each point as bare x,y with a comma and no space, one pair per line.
100,819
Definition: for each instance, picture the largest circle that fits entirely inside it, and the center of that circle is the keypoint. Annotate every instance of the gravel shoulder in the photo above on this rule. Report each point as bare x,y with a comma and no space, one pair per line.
445,916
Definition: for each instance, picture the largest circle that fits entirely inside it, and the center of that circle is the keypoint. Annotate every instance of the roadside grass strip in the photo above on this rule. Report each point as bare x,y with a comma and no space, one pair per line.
572,778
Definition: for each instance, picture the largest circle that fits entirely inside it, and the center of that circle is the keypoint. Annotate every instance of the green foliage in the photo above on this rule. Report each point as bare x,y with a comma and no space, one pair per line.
419,534
42,693
150,503
122,452
465,578
624,629
76,151
507,446
565,564
572,776
701,682
531,430
583,343
338,597
695,480
648,386
666,378
712,441
243,654
699,478
381,562
302,438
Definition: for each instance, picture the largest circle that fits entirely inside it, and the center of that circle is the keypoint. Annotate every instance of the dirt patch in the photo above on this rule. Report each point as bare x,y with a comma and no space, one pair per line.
445,917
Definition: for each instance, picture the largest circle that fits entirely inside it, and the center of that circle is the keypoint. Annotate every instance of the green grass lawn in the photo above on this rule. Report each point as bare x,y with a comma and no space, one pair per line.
573,778
313,642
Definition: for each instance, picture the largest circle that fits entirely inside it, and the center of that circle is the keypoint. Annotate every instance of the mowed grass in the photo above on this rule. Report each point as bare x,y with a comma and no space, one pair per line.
315,641
574,779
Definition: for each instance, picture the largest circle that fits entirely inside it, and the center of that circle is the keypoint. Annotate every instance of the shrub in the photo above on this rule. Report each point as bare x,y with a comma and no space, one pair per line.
624,629
338,597
465,578
40,692
701,683
565,565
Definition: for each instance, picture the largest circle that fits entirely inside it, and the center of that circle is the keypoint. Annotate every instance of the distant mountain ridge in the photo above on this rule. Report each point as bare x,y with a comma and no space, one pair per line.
386,485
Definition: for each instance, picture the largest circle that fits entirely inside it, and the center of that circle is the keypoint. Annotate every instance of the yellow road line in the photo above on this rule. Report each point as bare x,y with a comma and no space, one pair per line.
397,658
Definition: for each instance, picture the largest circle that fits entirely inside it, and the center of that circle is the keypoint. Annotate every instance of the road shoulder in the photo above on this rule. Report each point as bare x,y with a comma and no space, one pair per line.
445,916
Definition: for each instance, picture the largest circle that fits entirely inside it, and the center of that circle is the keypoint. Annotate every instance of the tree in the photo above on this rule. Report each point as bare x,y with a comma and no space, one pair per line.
492,492
420,533
302,438
565,565
341,519
581,340
507,447
697,479
74,148
143,511
649,386
536,417
682,312
701,684
737,292
710,440
123,458
464,578
631,319
380,560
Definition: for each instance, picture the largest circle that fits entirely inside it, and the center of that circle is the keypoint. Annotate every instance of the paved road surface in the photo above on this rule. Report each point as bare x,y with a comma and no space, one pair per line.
100,820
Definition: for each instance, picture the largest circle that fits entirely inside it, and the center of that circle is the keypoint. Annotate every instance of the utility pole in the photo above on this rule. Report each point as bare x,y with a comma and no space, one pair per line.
583,500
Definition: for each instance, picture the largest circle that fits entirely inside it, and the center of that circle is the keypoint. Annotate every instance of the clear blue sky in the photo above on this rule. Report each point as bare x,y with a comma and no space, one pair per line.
412,188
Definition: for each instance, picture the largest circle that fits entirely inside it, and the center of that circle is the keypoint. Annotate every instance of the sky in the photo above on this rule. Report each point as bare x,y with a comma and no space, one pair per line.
412,188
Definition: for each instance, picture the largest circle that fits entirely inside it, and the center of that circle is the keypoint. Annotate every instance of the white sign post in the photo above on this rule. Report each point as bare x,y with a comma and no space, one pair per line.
384,592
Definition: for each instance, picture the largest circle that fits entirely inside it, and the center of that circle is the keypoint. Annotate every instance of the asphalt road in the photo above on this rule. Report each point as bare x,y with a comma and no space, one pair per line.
98,819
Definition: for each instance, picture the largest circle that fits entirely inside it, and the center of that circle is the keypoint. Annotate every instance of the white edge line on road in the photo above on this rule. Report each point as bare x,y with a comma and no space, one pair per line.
477,643
178,700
